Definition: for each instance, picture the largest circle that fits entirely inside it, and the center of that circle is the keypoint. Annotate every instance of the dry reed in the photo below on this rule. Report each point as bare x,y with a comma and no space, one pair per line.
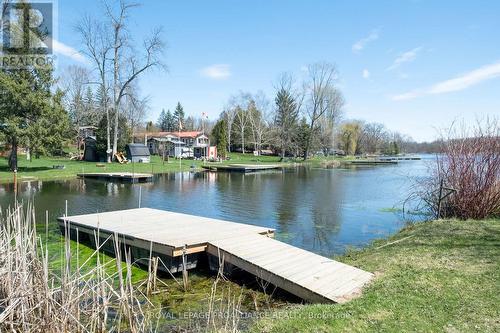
95,296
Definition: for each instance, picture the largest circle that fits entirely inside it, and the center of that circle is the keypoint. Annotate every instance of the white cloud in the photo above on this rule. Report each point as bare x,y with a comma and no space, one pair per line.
360,44
366,74
67,51
458,83
407,56
469,79
217,71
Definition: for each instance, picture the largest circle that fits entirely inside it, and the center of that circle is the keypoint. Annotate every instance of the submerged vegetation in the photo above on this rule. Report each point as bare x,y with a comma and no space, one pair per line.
53,284
432,276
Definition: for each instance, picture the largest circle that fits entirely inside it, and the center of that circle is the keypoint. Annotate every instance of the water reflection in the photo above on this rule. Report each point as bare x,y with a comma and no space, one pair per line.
320,210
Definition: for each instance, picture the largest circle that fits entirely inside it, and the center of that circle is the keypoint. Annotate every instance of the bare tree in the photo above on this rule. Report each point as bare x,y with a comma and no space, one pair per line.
134,107
128,65
372,137
74,83
241,122
258,113
110,46
322,98
97,46
240,105
469,167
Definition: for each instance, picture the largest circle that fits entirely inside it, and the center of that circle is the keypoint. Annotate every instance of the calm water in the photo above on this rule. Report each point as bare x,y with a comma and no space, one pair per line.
322,210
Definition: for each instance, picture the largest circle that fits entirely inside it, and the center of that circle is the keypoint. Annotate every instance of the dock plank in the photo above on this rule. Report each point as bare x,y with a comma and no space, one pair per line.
327,286
251,248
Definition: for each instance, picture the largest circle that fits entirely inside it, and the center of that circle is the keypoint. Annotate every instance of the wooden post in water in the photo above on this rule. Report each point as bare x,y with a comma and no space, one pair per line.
140,195
184,268
15,186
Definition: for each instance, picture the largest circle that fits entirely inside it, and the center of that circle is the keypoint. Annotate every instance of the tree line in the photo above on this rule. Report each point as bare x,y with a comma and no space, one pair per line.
303,119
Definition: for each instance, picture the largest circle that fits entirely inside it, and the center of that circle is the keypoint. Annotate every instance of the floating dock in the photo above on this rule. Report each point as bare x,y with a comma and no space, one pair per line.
119,176
371,162
241,167
400,158
181,240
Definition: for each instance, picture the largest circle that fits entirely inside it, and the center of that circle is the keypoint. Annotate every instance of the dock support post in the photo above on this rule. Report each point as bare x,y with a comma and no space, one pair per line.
140,195
184,268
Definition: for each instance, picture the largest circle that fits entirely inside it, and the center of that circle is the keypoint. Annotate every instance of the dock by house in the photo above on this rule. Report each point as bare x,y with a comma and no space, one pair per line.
371,162
119,176
181,241
241,167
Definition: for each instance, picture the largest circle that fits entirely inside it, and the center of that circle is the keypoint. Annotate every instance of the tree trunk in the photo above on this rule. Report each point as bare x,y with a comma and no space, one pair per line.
115,134
108,136
13,155
116,104
309,139
116,89
243,140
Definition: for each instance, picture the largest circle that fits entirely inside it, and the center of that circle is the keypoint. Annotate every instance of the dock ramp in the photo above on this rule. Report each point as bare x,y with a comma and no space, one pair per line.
301,273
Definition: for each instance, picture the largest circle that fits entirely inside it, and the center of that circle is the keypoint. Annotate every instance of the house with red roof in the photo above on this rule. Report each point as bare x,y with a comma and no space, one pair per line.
181,144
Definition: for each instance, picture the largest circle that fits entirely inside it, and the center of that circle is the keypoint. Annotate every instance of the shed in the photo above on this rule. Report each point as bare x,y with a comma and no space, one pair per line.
137,152
90,149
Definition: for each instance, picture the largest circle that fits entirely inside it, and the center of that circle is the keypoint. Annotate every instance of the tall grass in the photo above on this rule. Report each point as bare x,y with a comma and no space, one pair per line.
95,295
34,298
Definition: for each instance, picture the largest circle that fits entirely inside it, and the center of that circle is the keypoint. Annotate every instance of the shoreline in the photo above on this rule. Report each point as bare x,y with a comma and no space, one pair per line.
46,168
431,276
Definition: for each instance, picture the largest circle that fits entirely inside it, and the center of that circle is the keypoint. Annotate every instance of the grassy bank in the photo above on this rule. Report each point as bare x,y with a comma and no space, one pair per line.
42,168
441,276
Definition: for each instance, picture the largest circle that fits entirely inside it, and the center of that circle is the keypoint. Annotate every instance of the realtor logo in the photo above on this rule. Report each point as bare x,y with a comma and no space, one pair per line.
27,33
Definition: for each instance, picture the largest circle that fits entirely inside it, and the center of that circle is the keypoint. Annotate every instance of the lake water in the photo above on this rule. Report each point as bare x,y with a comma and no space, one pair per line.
321,210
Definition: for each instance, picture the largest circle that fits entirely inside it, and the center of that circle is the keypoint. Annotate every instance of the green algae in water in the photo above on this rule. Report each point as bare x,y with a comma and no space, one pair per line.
175,308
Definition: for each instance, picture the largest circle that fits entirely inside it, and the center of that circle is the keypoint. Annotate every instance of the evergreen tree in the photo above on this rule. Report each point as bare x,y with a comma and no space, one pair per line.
28,105
162,121
286,118
124,134
91,111
150,126
179,116
170,122
101,97
51,132
219,135
303,133
188,124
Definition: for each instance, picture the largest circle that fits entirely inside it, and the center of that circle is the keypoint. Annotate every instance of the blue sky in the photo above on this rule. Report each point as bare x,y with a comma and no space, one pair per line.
413,65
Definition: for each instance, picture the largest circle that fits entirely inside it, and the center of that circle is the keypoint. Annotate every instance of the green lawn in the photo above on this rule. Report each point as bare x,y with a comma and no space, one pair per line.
42,168
442,276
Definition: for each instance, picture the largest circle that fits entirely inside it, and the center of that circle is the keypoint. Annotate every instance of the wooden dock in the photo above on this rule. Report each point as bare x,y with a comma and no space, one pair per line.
371,162
172,236
241,167
119,176
400,158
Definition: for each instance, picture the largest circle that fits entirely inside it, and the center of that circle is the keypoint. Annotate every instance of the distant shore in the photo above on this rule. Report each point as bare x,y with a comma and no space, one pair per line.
53,168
